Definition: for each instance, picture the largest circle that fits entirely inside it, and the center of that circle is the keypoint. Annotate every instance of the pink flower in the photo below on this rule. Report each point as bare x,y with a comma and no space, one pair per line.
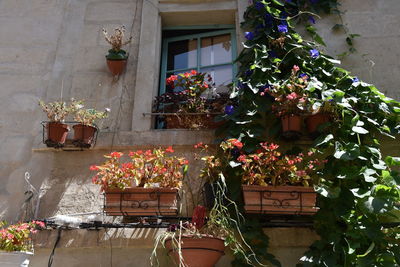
310,153
94,168
291,96
296,68
116,155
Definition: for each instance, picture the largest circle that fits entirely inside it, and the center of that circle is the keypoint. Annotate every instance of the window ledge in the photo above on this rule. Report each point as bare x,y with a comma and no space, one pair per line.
139,139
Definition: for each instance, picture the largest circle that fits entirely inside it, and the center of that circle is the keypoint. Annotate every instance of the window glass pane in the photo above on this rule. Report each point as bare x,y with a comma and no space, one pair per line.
222,76
216,50
182,54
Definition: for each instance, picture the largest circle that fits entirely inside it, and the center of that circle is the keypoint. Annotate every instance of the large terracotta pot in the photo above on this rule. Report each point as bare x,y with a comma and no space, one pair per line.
56,133
139,201
198,252
314,121
283,200
116,66
15,259
84,135
203,121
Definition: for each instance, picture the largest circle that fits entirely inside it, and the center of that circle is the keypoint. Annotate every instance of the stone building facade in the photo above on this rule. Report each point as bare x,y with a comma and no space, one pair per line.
53,50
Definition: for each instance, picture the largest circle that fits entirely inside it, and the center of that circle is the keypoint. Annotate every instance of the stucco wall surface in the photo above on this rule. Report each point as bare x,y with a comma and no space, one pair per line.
55,49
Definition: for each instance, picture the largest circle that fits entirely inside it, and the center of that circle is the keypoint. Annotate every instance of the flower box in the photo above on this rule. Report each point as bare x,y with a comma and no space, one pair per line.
139,201
15,258
283,200
204,251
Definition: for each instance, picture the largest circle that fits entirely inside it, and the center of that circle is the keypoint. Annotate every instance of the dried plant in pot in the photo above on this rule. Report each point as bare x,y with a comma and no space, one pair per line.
117,57
57,111
146,183
16,247
84,132
290,103
273,182
192,99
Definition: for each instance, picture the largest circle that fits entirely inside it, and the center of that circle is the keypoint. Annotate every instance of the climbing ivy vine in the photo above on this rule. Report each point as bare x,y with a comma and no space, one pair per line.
358,189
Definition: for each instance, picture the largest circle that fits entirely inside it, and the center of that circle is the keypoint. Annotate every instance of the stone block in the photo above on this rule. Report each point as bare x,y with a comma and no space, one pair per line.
110,11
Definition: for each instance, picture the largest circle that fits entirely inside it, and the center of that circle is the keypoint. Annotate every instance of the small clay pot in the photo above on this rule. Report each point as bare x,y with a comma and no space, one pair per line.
56,134
83,135
291,126
116,66
198,252
314,121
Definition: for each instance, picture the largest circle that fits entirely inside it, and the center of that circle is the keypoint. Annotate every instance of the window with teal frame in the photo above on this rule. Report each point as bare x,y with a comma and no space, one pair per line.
212,51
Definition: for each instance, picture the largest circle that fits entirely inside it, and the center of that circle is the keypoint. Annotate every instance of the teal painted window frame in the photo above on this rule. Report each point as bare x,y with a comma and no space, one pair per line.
229,29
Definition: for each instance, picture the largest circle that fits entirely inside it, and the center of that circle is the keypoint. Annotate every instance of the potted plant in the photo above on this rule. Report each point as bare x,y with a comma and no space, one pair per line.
15,243
321,112
57,111
273,182
194,244
192,99
144,185
85,131
117,57
290,103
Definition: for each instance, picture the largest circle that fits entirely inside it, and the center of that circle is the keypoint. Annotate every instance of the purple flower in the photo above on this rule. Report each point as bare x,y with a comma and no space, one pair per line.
355,80
311,19
229,109
249,35
259,5
314,53
249,72
303,75
268,19
272,54
282,28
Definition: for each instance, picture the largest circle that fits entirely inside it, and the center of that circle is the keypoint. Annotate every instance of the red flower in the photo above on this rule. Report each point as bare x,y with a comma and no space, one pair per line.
273,146
169,149
148,153
94,168
193,72
237,143
242,158
116,155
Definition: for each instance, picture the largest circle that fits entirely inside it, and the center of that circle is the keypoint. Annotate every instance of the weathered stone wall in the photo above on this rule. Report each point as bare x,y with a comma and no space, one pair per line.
55,49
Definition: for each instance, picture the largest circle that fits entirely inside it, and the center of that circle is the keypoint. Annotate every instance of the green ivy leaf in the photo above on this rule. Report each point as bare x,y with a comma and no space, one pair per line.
392,161
359,130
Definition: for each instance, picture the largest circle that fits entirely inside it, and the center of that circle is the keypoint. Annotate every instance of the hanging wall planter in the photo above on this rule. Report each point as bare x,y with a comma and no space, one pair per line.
116,66
139,201
197,252
116,58
283,200
15,259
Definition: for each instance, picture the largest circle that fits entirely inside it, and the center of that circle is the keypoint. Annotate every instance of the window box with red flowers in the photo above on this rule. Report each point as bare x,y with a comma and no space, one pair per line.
190,102
272,182
145,183
16,246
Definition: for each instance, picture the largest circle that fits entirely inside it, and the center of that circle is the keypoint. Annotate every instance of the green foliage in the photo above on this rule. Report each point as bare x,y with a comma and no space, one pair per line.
117,55
357,188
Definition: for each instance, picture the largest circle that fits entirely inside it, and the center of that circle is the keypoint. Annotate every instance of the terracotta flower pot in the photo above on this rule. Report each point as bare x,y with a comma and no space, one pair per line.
83,135
284,200
198,252
56,133
116,66
314,121
291,126
202,121
15,259
139,201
